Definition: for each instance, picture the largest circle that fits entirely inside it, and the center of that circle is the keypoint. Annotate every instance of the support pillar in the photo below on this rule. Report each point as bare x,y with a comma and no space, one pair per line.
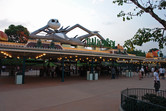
23,70
139,64
0,67
157,65
128,73
62,70
76,68
92,66
113,63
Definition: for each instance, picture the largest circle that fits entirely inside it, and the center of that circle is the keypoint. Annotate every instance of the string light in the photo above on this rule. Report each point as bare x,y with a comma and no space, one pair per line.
40,55
6,54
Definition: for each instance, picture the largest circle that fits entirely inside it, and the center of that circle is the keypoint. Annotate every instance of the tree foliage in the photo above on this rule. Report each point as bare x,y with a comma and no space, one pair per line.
17,33
137,53
129,45
146,34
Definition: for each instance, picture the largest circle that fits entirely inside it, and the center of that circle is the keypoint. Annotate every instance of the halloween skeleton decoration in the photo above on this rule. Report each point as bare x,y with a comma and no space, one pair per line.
59,35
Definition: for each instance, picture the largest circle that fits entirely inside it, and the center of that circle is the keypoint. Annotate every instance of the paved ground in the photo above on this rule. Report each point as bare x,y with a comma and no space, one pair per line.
75,94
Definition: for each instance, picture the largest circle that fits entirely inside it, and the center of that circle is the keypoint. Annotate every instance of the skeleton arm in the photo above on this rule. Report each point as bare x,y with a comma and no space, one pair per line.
38,31
90,33
75,26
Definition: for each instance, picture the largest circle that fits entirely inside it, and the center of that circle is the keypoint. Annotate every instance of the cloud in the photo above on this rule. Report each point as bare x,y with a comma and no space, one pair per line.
5,23
97,1
108,23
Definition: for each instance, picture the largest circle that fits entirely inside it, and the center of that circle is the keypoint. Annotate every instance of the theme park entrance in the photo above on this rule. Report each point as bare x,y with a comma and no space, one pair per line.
50,52
61,63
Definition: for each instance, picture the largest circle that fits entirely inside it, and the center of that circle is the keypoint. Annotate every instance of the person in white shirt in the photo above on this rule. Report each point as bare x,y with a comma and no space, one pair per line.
152,70
163,73
156,80
160,71
142,71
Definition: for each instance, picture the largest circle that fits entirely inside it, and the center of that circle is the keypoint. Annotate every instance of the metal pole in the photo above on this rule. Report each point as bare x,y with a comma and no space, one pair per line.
0,67
92,66
62,70
76,68
23,70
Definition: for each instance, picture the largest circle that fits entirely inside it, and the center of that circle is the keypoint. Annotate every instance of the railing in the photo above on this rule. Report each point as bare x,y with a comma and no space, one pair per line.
141,99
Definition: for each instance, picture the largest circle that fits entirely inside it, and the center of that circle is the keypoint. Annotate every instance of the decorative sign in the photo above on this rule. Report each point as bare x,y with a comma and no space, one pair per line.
93,42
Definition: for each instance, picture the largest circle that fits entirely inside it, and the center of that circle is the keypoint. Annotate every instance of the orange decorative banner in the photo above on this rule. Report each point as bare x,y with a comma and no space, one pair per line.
3,36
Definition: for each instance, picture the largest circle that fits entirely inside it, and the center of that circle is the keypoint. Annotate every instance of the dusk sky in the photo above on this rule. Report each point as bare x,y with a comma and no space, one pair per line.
95,15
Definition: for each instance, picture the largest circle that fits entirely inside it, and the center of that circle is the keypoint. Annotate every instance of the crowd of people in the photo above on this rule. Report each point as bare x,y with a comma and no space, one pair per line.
155,72
56,71
145,71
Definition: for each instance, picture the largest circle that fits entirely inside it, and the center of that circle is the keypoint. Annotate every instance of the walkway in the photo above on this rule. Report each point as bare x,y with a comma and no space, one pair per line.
72,95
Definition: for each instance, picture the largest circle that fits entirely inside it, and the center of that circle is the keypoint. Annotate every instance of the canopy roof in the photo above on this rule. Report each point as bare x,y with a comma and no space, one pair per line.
14,50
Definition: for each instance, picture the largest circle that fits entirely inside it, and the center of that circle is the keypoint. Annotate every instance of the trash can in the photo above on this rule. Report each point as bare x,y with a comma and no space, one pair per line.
127,73
91,76
19,78
88,76
96,76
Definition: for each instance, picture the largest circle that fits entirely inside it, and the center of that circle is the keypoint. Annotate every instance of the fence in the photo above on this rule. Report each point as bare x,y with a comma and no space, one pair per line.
141,99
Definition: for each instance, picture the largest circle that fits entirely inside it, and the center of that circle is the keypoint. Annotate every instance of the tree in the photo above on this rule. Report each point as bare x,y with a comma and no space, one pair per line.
146,34
39,43
137,53
17,33
52,45
129,45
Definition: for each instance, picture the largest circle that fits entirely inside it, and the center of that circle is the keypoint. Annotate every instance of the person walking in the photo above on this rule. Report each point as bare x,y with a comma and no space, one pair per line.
156,80
163,73
142,71
152,71
113,72
160,71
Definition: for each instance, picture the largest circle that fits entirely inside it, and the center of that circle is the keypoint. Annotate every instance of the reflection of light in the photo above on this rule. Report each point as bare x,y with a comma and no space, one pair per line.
18,57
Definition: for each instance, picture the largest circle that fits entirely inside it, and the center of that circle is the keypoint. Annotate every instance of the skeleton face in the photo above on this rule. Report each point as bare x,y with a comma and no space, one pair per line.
54,24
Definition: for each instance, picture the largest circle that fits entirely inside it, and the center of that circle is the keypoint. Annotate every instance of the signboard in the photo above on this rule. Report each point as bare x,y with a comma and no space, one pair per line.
93,42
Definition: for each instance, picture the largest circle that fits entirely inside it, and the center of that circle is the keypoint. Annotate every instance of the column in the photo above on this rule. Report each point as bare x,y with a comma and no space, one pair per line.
23,70
62,70
92,66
